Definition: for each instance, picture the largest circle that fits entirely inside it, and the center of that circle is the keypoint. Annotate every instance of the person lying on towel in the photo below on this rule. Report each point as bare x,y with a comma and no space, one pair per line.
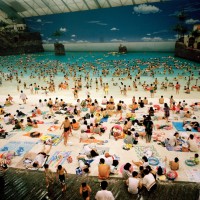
39,160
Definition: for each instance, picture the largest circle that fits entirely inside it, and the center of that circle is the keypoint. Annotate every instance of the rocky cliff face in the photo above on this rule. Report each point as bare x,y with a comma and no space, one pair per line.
188,53
13,43
59,49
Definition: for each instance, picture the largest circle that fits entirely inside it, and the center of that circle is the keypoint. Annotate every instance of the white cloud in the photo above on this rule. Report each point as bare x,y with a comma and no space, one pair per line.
72,40
73,35
161,31
148,34
82,41
114,29
49,39
44,41
146,9
116,40
41,34
192,21
97,22
102,24
63,29
171,39
93,22
39,20
151,39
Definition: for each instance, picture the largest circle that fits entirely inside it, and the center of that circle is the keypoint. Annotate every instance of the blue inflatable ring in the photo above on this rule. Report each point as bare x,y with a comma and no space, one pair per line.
153,161
190,163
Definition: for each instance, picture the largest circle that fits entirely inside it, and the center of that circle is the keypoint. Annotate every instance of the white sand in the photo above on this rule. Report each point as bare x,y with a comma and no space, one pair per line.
115,146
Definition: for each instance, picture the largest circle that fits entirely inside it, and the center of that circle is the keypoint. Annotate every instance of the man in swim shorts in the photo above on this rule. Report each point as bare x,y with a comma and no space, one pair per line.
61,171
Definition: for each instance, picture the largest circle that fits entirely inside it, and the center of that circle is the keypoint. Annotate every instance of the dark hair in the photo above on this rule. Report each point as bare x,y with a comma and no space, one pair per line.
141,168
146,171
86,170
115,163
102,161
145,158
83,184
104,185
59,167
196,155
160,171
176,159
149,168
134,173
35,164
46,166
191,136
127,166
93,153
176,133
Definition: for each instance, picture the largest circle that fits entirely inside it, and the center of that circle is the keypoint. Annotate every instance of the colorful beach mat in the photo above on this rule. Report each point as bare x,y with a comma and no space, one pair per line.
58,158
10,134
148,151
55,139
19,147
105,119
27,129
179,127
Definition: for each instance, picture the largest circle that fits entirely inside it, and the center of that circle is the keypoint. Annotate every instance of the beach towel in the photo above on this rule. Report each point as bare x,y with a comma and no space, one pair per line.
54,139
53,128
193,175
9,135
58,158
89,141
19,147
148,151
165,126
105,119
21,164
179,127
27,128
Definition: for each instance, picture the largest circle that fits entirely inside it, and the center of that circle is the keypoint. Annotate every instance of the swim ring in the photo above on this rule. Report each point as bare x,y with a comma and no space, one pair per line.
153,161
190,163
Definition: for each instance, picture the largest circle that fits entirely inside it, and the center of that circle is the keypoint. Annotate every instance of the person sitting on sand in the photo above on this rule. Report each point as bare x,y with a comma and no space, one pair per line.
173,141
7,102
187,91
161,100
31,123
19,124
104,169
1,110
75,125
127,171
143,162
192,145
174,165
188,114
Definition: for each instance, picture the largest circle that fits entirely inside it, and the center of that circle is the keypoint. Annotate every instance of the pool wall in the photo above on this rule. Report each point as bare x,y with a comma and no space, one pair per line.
131,46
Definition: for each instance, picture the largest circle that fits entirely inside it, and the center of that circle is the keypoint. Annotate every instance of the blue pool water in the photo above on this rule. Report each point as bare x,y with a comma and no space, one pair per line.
101,60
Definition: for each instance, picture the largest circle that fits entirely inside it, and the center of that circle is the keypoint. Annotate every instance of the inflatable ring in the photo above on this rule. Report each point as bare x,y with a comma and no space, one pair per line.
117,127
190,163
153,161
34,134
172,175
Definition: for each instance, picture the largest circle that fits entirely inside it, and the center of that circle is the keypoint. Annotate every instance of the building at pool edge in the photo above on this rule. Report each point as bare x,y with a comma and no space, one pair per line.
188,47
